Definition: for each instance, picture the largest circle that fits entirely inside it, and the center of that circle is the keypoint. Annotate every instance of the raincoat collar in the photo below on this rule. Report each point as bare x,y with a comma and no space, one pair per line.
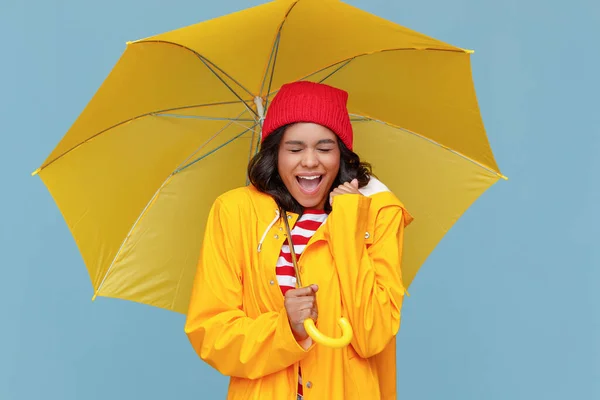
262,201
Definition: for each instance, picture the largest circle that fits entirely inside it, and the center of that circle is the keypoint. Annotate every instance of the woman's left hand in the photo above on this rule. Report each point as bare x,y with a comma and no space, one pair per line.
346,188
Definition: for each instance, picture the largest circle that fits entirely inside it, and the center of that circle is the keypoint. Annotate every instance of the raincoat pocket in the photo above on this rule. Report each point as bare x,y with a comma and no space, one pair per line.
360,382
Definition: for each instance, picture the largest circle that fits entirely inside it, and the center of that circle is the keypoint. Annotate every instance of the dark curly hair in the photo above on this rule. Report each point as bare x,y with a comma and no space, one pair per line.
263,172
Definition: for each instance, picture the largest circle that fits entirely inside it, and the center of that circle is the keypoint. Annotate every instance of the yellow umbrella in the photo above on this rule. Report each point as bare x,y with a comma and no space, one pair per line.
177,119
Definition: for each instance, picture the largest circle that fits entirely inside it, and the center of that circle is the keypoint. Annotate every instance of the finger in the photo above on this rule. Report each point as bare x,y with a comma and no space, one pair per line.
354,183
305,314
310,314
314,315
304,291
299,316
344,187
301,303
342,190
294,302
297,302
302,314
351,186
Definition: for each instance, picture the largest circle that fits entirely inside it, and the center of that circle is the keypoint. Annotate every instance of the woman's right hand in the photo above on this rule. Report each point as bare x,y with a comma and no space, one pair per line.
301,304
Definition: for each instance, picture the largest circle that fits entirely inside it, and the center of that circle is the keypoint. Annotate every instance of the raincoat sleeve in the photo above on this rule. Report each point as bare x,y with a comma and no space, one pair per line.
370,275
216,325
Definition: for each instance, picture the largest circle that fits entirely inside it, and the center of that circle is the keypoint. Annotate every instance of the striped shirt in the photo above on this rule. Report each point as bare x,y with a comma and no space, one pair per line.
305,227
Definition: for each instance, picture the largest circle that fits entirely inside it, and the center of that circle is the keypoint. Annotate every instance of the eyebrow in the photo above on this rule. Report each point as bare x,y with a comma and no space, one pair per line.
301,143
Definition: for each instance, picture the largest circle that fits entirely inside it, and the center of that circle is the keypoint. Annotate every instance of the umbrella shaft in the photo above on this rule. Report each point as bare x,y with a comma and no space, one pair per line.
292,251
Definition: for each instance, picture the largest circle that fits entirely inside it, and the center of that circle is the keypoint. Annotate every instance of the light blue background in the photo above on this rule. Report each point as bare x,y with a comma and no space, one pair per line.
507,307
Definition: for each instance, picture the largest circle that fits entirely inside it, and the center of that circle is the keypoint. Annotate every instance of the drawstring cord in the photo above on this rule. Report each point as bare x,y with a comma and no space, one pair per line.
262,239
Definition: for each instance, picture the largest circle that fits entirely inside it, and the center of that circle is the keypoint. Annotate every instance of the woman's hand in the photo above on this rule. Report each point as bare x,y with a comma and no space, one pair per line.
346,188
301,304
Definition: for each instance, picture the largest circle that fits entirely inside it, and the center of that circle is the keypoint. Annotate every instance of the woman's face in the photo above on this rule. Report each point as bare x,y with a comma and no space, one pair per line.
308,163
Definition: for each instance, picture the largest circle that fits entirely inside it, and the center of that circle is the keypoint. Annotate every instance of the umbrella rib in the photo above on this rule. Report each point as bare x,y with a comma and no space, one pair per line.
202,117
276,50
151,113
365,118
204,61
250,151
203,156
344,63
347,61
156,193
275,46
273,58
210,139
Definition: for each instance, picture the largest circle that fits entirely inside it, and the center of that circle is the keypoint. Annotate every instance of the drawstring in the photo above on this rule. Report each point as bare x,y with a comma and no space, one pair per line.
262,239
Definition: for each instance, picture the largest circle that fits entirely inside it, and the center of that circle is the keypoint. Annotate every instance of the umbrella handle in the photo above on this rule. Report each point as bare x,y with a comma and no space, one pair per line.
325,340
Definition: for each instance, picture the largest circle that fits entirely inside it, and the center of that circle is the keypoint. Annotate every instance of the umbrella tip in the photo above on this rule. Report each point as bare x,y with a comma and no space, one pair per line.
469,51
94,297
37,171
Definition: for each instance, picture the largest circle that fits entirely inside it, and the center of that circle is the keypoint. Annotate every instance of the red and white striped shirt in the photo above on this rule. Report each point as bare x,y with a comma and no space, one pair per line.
304,229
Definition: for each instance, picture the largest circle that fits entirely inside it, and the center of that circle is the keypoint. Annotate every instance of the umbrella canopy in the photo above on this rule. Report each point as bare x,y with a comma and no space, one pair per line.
176,121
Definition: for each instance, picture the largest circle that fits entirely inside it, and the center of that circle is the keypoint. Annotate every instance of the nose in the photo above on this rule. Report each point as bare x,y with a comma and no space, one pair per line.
310,159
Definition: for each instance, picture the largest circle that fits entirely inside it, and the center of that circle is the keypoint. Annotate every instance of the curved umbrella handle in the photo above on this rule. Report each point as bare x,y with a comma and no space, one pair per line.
325,340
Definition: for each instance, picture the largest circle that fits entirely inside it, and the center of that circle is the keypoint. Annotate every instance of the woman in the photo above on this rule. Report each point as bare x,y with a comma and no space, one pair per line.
246,315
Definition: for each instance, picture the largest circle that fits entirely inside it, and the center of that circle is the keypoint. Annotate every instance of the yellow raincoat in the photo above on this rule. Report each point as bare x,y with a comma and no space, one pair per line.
237,321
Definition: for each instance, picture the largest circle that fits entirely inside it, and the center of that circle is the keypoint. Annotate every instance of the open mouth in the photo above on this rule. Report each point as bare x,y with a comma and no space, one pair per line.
309,184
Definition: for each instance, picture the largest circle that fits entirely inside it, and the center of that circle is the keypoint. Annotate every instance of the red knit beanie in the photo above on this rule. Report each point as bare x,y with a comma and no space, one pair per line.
305,101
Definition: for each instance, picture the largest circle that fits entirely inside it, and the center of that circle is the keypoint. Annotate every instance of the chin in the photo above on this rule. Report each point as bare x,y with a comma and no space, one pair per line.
311,204
306,201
